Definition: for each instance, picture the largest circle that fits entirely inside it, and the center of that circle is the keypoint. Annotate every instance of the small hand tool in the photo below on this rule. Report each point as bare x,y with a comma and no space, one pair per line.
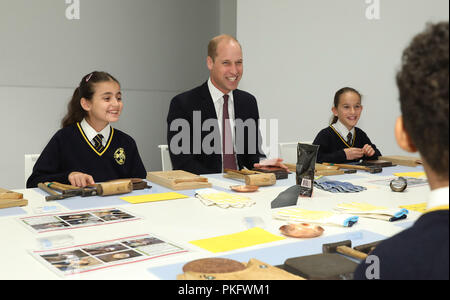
344,247
370,169
102,189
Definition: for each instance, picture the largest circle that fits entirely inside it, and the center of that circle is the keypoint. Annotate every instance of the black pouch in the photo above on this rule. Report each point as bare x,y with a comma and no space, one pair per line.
306,165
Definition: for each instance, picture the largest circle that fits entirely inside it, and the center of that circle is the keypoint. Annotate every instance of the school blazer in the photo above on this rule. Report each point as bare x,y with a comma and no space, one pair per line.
196,160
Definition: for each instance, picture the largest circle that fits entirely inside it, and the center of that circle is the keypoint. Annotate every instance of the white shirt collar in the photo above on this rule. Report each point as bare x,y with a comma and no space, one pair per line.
438,197
342,130
91,133
216,94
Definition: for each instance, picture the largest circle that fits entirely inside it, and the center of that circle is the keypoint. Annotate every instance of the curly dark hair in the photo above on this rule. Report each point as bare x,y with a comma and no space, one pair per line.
423,87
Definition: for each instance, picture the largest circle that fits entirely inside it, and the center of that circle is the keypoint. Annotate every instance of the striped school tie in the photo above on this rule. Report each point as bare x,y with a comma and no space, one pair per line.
98,145
349,138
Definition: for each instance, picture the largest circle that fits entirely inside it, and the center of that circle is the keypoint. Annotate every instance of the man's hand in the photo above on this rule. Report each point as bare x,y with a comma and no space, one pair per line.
273,162
80,179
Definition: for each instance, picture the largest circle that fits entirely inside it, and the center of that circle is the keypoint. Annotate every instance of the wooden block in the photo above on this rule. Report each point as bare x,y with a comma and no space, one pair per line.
7,203
178,180
402,160
251,177
263,179
5,194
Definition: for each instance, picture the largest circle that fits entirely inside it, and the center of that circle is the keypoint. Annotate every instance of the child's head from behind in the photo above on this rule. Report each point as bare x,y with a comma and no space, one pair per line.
98,96
423,90
347,107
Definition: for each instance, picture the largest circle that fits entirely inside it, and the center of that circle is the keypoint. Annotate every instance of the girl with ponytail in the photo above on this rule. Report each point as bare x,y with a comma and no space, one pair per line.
342,141
87,149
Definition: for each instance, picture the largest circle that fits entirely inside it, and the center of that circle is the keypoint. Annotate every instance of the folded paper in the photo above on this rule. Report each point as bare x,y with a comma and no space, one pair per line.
315,217
222,199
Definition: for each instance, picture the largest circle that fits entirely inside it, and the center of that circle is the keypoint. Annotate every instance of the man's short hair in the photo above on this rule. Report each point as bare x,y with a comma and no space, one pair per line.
214,43
423,87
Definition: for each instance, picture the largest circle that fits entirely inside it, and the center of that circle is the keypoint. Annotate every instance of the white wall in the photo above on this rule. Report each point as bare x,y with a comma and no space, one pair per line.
298,53
155,48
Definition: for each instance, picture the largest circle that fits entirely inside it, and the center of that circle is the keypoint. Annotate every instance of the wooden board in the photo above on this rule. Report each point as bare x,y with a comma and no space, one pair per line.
402,160
7,203
5,194
178,180
254,270
11,199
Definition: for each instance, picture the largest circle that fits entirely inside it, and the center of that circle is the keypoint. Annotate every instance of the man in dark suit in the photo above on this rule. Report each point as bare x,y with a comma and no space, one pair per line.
215,126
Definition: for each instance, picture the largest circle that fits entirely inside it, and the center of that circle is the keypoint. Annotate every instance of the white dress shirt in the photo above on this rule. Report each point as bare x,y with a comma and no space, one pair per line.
217,97
343,131
438,197
91,133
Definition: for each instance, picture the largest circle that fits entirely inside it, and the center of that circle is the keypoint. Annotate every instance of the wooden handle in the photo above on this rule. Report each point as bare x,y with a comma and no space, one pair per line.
326,167
45,188
54,187
348,166
64,187
115,187
328,172
263,179
351,252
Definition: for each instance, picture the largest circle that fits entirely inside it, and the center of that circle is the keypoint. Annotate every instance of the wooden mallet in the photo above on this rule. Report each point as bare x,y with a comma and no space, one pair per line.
344,247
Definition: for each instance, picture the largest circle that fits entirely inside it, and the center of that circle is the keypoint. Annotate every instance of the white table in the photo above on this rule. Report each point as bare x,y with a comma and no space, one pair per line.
185,220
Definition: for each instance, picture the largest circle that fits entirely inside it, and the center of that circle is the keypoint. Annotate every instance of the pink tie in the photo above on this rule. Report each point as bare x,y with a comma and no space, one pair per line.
229,157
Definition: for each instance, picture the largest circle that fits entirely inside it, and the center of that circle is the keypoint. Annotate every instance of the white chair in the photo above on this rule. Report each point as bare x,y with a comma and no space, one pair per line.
165,158
288,151
30,160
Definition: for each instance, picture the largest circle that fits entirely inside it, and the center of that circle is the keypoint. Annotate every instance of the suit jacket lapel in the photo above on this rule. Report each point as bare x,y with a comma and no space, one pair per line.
208,109
239,110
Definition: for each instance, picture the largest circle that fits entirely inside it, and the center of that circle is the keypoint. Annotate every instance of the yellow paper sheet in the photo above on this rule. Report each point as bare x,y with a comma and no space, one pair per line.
251,237
420,207
153,197
411,174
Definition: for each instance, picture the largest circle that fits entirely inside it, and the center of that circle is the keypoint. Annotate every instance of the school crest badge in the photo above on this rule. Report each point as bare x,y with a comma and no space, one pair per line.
119,156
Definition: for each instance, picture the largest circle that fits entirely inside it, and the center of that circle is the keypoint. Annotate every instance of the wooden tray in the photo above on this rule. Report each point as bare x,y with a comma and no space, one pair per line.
11,199
178,180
